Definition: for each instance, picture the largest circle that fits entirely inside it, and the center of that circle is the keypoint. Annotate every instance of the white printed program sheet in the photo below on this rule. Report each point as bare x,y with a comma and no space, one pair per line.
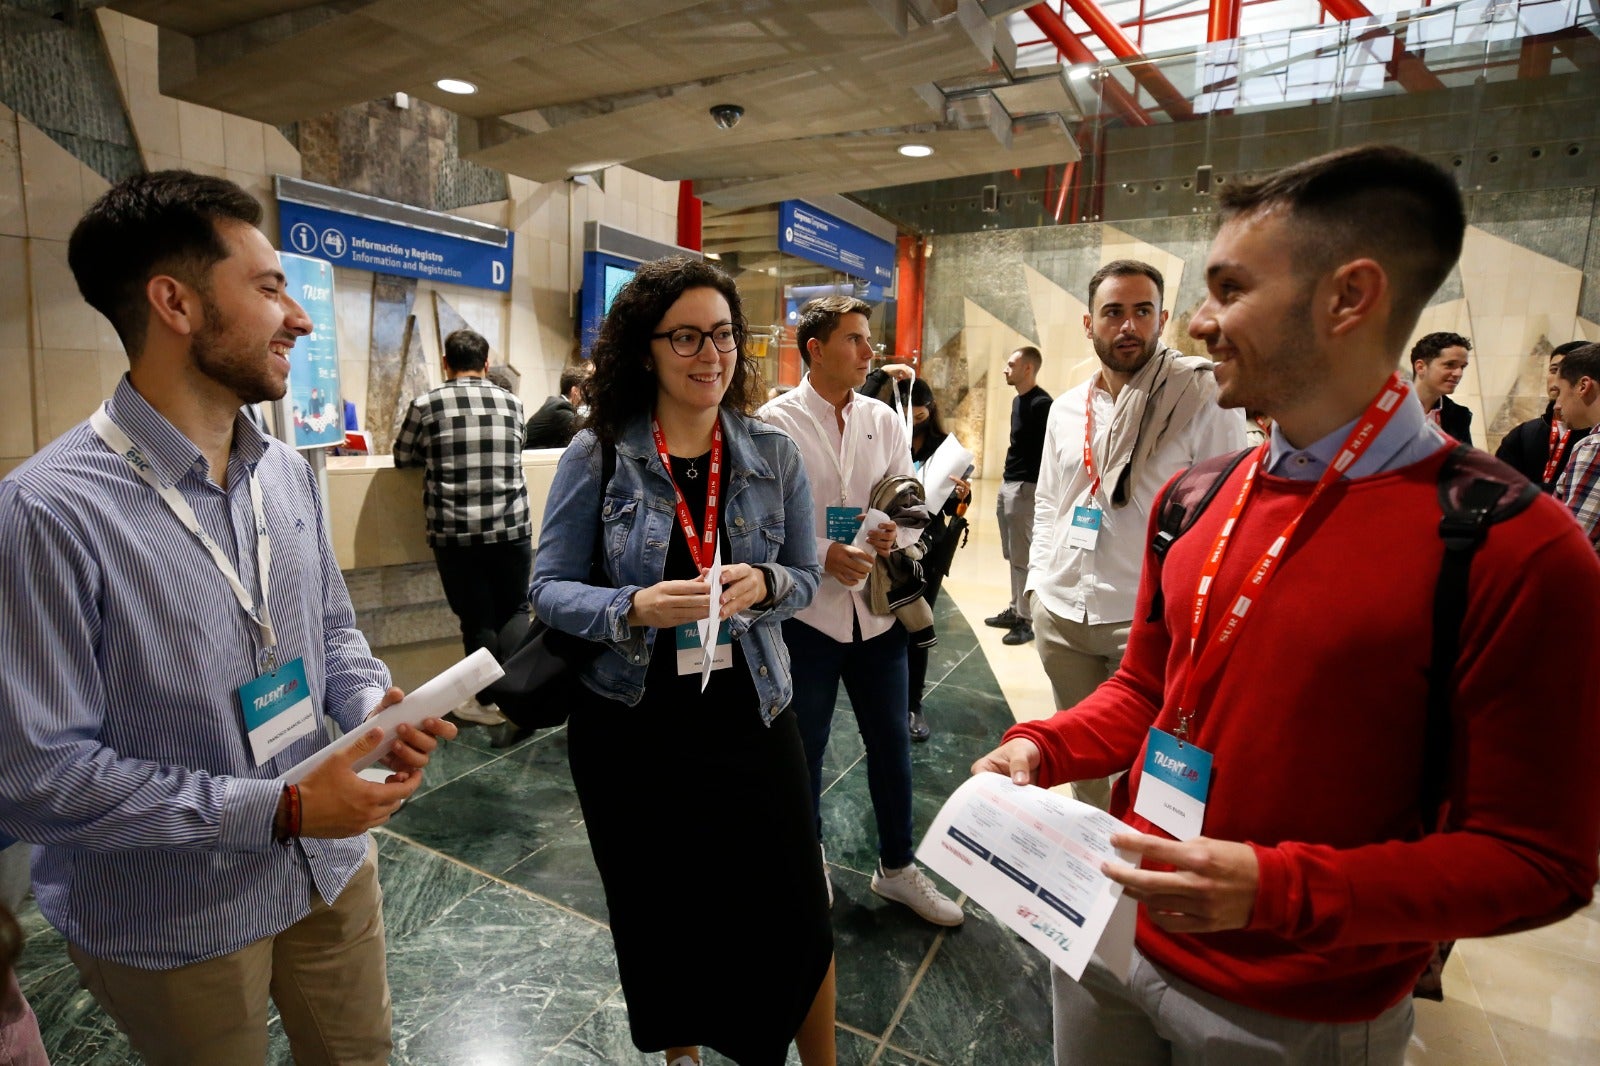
1032,858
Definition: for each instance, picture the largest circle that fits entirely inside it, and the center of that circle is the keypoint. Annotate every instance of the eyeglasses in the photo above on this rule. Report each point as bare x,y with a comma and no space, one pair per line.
687,341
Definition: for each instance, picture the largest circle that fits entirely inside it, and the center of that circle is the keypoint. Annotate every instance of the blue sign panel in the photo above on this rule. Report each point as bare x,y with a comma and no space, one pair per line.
818,236
390,248
314,400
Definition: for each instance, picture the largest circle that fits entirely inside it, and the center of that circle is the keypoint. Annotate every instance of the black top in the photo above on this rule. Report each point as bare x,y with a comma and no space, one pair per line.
1455,419
733,685
1526,449
552,425
1028,414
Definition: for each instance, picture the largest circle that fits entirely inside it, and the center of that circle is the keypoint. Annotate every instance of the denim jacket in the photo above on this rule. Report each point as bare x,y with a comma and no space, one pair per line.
766,512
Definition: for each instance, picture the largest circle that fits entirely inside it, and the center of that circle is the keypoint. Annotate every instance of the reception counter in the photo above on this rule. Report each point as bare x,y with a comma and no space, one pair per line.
380,540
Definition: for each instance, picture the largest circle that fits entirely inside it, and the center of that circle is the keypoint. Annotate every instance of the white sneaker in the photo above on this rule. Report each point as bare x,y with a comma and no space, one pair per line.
909,885
479,713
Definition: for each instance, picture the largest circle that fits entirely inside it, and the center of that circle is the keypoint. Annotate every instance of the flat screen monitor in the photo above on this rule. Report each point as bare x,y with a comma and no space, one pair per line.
604,275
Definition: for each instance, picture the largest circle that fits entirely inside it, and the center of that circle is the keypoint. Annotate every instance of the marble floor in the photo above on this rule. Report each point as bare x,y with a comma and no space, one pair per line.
499,953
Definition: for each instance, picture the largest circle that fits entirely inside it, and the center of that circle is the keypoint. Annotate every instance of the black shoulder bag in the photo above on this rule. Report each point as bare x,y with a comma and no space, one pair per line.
542,664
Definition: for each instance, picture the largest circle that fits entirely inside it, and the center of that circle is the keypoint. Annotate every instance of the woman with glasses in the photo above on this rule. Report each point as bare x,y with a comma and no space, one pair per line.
693,782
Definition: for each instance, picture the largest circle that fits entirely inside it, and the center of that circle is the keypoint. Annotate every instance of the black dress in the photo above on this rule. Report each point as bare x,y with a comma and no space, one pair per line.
699,816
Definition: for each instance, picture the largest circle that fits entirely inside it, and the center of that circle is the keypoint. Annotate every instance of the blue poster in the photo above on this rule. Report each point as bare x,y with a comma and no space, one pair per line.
314,400
389,248
832,242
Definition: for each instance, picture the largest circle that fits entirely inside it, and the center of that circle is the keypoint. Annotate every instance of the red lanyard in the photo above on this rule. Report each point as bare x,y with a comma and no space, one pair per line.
1366,430
1088,440
701,548
1558,441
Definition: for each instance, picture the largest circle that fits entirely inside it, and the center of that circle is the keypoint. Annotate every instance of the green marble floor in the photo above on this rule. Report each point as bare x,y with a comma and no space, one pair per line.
498,950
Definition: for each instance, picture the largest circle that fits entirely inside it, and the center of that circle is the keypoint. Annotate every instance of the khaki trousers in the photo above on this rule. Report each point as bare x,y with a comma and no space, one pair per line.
326,974
1077,659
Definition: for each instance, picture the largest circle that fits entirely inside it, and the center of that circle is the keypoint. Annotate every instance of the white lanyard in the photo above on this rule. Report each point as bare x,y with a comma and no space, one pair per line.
119,443
845,465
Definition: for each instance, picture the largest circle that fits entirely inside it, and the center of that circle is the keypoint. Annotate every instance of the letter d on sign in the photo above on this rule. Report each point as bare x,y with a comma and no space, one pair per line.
498,272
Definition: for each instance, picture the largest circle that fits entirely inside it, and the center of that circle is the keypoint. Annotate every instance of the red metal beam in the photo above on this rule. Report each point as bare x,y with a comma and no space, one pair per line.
1148,74
1411,72
688,216
1057,32
1222,22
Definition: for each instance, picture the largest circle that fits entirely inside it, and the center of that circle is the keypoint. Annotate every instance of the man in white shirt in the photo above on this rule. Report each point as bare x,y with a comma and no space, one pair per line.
1147,414
849,443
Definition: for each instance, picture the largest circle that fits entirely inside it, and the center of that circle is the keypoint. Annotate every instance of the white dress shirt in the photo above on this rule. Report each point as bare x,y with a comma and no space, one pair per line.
842,468
1099,586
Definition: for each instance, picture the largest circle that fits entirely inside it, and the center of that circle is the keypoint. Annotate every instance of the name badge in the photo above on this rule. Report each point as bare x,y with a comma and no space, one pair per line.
1085,531
277,710
1172,792
691,652
844,523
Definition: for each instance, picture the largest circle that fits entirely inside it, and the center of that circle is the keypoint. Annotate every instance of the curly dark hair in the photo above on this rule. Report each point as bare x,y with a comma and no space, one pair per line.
622,386
1428,348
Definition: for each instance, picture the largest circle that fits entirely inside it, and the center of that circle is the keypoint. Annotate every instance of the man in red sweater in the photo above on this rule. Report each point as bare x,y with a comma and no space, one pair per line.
1291,890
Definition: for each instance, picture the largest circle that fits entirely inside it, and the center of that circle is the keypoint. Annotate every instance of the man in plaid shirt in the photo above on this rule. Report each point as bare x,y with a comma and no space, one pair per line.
1578,406
468,434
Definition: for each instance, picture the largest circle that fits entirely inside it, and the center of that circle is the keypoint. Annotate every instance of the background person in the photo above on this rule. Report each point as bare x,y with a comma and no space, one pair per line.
1148,413
554,423
1539,448
940,539
1578,399
1030,414
467,435
1438,362
689,873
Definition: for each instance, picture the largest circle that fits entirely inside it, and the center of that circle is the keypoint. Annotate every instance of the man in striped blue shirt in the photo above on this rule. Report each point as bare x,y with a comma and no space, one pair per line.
174,630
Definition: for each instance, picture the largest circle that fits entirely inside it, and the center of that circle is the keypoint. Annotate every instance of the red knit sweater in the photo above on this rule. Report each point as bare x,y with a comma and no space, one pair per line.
1316,725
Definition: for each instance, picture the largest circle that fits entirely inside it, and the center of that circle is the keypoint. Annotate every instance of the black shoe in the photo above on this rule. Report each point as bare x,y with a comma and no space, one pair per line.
917,726
1020,633
508,735
1004,620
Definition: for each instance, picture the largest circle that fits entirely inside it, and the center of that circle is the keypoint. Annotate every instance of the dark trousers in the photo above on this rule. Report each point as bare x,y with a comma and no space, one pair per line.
874,674
485,584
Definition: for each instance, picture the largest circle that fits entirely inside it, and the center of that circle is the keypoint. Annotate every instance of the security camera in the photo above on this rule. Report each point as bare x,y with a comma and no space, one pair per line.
727,116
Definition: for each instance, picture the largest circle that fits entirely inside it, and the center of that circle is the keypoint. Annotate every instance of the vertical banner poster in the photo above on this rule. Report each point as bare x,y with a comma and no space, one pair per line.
315,402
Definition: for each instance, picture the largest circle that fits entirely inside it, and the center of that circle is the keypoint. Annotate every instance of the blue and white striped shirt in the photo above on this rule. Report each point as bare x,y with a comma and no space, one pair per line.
122,647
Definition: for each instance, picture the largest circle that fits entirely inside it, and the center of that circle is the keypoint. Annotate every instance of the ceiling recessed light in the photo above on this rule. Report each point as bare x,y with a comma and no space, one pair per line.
915,151
1081,71
456,86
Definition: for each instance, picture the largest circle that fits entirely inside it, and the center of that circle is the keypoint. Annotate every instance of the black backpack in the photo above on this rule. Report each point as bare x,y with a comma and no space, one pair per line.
1476,490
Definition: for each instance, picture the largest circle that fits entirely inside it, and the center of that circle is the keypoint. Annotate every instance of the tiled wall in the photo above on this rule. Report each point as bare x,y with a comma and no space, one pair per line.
1518,291
58,358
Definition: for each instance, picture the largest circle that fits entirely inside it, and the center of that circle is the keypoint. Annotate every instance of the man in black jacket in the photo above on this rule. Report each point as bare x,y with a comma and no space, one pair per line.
1527,448
553,424
1437,363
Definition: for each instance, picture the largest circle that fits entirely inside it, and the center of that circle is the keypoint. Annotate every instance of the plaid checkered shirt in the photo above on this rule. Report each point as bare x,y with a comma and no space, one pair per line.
1579,487
468,435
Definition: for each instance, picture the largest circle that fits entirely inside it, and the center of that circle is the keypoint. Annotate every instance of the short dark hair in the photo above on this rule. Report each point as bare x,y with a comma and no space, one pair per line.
1033,356
1127,268
1428,348
466,350
163,222
573,376
1561,351
621,387
820,317
1376,200
1581,362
